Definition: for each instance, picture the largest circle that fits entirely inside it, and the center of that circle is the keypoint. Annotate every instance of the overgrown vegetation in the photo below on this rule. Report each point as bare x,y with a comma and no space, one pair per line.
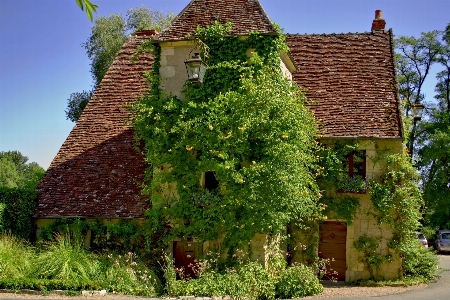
18,181
65,264
335,183
397,202
371,257
245,279
247,124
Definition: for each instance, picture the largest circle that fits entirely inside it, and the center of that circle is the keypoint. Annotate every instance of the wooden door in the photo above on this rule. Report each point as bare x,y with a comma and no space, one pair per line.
332,246
186,254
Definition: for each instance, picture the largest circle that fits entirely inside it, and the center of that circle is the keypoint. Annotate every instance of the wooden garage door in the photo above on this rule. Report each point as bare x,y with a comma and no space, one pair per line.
333,236
186,253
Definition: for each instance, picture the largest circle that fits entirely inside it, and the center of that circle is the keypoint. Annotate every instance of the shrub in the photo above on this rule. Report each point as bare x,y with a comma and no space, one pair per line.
128,275
246,280
297,281
418,262
46,284
16,212
15,258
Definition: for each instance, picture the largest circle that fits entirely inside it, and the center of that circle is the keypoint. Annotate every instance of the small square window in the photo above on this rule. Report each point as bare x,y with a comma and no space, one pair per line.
211,182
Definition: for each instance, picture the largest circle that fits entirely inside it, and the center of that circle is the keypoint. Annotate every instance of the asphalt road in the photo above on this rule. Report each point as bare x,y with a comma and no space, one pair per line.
439,290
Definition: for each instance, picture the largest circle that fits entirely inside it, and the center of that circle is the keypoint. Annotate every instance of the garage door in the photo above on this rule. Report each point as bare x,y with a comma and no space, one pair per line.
333,237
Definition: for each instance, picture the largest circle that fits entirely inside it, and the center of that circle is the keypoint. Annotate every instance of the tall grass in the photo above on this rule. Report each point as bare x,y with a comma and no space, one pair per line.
66,259
16,257
66,262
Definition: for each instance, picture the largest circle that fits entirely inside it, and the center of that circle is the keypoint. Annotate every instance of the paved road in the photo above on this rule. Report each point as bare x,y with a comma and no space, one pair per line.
439,290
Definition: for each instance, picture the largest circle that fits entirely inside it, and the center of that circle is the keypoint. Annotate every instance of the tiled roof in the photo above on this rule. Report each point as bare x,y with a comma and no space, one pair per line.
246,16
97,172
352,79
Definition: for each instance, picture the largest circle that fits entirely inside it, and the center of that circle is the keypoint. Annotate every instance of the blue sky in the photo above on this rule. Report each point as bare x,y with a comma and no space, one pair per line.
42,61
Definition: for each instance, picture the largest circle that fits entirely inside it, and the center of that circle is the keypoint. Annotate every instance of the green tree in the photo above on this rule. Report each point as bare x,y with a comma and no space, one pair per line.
435,145
76,104
15,172
108,34
414,59
9,177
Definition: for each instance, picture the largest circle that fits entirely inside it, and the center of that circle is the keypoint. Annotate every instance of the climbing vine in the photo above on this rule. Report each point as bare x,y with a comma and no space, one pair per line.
397,202
371,258
246,123
335,204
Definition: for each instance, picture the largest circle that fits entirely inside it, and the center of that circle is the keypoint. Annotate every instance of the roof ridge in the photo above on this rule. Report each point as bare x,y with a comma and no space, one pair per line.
342,33
246,15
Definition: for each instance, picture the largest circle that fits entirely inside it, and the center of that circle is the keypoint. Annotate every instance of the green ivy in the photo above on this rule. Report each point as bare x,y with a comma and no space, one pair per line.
247,123
332,180
397,202
371,257
340,206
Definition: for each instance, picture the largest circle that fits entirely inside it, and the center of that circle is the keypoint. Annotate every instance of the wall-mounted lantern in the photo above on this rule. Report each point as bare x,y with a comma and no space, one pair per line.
417,110
195,68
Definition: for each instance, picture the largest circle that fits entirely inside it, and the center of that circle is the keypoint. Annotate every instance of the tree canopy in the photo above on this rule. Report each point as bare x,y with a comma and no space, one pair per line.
15,172
432,136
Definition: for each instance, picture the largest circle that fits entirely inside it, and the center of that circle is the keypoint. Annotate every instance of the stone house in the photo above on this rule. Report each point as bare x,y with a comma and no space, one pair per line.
98,174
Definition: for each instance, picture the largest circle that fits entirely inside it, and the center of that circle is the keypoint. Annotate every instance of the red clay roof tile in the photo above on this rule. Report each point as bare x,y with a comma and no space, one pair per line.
351,77
97,172
246,16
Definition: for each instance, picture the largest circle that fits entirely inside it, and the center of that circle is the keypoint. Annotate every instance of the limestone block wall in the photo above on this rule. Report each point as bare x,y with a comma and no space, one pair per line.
255,251
173,70
364,223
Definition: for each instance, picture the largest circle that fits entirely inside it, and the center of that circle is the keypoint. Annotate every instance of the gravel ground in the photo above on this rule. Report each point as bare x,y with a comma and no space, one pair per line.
340,289
332,290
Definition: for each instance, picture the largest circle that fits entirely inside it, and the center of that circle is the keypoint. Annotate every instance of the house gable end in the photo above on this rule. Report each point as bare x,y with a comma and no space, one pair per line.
246,15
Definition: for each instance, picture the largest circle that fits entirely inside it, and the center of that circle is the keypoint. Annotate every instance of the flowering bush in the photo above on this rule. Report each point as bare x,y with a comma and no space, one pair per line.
354,184
125,274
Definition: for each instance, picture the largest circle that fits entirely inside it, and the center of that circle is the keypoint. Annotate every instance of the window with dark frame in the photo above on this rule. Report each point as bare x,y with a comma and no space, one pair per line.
355,164
211,182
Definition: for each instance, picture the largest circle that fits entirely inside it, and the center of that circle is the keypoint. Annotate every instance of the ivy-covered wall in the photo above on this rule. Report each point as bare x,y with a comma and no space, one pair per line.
246,122
380,219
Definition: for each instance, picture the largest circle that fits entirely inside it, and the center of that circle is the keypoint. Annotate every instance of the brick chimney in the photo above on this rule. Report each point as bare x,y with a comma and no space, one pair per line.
379,22
150,32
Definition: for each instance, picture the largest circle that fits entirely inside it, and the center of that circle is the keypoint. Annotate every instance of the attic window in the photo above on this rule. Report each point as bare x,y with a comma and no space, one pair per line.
355,164
211,182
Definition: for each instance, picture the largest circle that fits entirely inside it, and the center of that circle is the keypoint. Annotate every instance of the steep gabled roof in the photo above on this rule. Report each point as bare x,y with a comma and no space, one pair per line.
352,79
246,16
97,172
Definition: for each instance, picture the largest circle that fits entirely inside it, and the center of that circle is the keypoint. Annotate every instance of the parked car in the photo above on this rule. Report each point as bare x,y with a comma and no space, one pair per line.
443,241
421,239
